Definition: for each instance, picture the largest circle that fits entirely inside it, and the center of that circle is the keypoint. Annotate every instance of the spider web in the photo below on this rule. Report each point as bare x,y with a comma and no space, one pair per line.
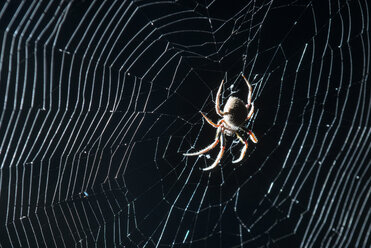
100,99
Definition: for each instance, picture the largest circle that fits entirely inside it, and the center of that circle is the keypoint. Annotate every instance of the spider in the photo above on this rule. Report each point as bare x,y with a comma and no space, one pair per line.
234,116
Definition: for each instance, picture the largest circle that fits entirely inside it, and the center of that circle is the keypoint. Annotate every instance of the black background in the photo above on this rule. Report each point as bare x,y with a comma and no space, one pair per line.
97,111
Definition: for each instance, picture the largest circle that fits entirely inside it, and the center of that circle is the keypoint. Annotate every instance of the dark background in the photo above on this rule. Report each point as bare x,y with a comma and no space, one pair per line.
100,99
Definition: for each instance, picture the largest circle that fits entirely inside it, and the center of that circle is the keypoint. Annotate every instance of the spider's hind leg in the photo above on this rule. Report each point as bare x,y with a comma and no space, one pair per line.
249,96
211,122
217,101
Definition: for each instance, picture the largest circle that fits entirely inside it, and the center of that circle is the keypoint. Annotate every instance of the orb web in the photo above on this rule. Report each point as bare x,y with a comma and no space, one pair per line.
100,100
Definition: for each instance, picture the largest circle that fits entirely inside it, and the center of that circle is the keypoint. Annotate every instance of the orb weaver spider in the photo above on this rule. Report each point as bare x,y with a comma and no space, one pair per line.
234,115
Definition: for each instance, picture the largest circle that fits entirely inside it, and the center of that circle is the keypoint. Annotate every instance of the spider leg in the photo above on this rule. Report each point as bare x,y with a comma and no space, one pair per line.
217,102
210,121
243,151
208,148
251,110
250,90
252,137
220,155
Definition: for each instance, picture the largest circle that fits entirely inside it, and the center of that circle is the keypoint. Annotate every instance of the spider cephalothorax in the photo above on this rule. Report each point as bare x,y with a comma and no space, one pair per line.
234,115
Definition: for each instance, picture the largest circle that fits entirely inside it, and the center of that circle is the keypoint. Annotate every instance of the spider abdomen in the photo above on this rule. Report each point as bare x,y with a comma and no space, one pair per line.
235,112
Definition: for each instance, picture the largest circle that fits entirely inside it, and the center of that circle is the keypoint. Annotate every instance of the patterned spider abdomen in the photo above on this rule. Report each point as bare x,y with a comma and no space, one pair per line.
235,112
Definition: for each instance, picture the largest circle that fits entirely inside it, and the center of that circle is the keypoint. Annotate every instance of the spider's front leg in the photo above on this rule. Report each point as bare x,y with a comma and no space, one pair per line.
250,133
253,137
220,155
208,148
243,151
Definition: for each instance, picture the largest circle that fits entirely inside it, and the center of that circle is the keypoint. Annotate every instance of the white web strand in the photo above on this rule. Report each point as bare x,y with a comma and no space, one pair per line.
100,100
